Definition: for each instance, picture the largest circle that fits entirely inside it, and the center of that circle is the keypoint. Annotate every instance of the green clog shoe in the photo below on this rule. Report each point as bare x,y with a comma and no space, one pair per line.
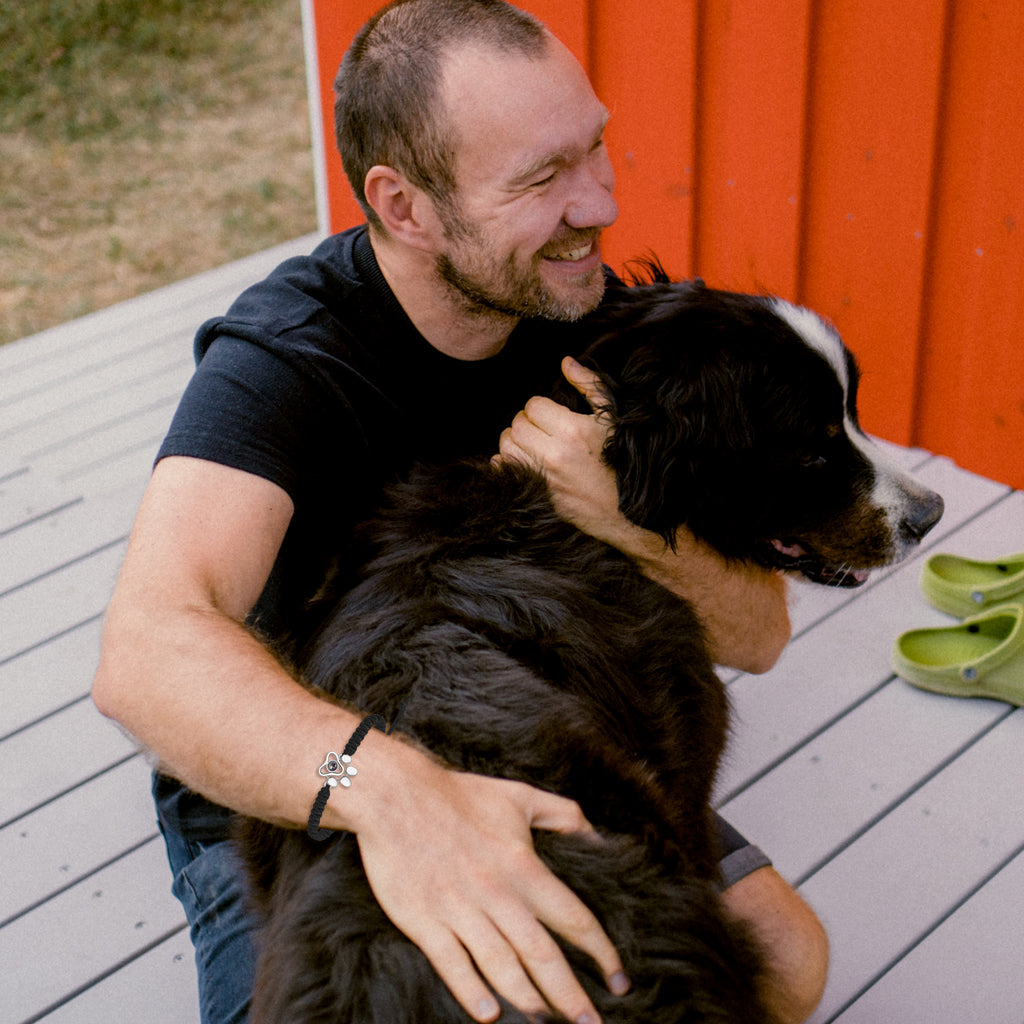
963,587
983,656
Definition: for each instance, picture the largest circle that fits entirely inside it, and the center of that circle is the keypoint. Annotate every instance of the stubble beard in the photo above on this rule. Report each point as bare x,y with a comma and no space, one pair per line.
483,289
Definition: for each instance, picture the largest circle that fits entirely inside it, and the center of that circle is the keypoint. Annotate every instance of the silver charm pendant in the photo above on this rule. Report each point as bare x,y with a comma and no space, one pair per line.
337,769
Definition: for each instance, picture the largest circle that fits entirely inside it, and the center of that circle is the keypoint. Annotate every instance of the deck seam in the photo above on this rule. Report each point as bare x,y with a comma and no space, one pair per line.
957,905
109,972
21,815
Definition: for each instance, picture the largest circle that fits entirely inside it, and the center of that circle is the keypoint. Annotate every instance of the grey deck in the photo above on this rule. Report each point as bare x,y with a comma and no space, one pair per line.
900,815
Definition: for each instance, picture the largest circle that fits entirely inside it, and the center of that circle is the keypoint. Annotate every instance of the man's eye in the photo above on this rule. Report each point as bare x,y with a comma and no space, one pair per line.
543,181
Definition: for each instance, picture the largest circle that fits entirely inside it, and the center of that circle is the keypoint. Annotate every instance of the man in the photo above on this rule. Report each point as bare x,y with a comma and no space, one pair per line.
474,142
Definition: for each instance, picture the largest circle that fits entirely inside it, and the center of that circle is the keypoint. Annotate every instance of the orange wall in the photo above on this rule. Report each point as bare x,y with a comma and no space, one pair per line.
862,157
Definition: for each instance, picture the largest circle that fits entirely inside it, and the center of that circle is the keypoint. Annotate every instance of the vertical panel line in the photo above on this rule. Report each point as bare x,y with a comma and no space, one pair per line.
592,36
931,227
699,142
806,151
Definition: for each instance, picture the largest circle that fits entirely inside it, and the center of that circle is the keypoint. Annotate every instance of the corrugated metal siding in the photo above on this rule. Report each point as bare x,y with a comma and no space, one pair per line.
864,157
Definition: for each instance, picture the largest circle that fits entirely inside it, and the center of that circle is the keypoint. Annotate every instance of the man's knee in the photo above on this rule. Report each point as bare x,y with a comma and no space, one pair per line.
793,938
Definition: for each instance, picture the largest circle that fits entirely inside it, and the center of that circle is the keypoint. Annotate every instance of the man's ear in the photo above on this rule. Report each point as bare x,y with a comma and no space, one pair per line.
406,211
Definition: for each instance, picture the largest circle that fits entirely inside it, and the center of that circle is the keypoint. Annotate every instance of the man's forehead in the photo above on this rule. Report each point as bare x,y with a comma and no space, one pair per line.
468,70
520,107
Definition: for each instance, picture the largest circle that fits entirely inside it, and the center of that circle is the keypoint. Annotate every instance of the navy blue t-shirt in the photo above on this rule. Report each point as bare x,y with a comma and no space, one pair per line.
317,380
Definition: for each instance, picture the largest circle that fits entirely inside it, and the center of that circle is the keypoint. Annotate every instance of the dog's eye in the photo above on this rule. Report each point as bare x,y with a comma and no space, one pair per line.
813,462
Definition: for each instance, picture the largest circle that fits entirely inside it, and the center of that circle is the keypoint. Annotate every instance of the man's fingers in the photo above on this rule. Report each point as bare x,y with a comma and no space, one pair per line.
519,960
516,957
506,943
564,912
477,899
548,969
544,900
556,906
530,437
585,381
511,449
455,967
507,974
553,813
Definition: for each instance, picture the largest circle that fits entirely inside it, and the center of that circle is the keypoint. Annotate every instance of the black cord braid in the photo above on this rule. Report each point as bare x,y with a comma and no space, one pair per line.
362,729
313,829
313,825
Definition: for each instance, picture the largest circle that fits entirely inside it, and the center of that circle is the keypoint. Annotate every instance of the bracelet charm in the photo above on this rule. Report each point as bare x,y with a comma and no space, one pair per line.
338,769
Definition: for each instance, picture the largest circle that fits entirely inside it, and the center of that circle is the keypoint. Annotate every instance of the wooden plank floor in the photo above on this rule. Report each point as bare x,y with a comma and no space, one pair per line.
899,814
89,932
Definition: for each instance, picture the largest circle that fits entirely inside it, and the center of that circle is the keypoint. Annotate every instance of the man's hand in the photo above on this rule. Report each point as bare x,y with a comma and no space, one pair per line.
452,863
743,606
566,447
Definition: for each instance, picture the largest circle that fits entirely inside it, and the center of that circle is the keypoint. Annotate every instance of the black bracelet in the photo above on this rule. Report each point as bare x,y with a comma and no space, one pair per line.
338,771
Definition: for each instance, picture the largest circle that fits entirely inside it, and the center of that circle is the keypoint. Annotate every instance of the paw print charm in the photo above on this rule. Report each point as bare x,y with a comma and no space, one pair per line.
337,770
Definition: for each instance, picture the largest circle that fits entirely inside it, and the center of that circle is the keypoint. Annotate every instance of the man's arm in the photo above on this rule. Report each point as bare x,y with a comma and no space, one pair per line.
449,855
743,607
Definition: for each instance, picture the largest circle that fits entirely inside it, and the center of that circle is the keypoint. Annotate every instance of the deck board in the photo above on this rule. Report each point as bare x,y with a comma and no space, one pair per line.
899,813
48,676
56,754
968,969
88,928
26,496
107,919
851,775
881,895
59,537
68,837
156,988
64,599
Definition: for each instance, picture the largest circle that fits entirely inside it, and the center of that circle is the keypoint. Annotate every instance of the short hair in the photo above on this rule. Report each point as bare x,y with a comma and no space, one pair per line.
388,98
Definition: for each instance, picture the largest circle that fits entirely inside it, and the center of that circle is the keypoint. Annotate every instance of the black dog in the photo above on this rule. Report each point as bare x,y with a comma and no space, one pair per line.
519,647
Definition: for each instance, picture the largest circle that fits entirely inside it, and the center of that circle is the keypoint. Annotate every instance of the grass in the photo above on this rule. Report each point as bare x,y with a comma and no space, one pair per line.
142,141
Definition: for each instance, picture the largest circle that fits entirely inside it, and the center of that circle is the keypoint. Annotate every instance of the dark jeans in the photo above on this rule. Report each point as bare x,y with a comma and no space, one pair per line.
209,883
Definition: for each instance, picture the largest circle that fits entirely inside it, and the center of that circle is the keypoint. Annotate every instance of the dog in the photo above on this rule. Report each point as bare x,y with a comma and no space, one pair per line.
517,646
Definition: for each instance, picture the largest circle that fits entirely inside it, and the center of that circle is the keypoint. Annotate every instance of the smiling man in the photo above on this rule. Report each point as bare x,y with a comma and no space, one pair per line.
473,141
519,237
525,235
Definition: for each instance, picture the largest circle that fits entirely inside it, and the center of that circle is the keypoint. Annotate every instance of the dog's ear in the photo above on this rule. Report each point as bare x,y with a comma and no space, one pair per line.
680,426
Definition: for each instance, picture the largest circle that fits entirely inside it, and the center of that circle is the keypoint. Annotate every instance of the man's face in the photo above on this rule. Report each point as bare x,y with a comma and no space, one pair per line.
534,185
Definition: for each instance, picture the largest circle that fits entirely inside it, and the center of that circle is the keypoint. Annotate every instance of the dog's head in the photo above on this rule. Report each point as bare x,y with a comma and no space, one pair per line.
735,415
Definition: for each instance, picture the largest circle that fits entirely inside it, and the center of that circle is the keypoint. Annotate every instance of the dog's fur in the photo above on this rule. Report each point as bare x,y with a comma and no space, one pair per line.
522,648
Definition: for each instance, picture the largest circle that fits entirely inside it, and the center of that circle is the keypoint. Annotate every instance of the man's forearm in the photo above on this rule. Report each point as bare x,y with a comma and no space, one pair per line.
743,607
221,714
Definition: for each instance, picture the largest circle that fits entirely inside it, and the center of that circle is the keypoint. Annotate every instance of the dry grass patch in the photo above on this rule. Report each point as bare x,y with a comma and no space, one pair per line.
148,154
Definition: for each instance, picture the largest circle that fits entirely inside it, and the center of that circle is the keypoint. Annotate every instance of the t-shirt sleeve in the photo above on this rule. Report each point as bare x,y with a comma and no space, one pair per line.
248,408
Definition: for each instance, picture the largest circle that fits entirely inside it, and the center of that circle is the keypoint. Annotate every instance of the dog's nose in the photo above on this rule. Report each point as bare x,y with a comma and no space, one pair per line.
924,513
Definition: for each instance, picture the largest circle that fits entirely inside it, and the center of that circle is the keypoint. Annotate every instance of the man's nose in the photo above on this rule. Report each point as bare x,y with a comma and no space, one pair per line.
593,205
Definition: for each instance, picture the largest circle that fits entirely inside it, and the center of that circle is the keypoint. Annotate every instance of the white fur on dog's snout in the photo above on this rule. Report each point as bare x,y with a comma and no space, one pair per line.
895,492
899,494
